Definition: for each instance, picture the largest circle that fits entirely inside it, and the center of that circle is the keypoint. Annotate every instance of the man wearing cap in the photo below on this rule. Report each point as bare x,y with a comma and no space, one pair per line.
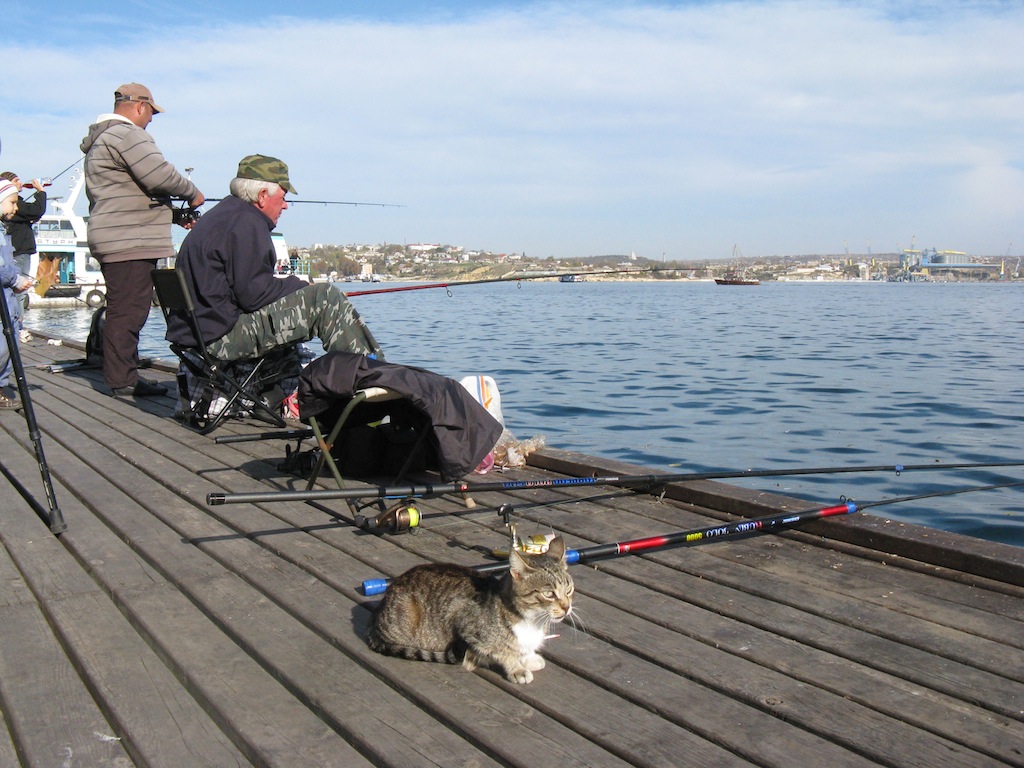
245,310
130,187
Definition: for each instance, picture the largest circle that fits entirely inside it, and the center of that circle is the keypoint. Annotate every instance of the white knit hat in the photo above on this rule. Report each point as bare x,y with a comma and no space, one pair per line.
7,188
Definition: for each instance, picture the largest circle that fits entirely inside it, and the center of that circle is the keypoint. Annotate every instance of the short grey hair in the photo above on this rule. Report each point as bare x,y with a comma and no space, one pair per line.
249,189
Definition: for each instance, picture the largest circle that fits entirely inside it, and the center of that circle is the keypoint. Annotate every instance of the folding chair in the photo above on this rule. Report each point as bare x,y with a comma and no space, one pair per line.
226,393
368,396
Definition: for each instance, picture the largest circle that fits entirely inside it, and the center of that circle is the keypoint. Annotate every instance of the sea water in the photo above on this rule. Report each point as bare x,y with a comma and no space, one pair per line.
691,376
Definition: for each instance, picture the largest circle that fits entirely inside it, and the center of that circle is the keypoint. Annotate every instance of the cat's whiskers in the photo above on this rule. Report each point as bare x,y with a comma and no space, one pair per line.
576,621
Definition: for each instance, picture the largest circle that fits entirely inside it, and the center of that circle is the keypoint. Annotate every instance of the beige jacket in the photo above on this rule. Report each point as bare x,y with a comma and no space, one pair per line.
130,187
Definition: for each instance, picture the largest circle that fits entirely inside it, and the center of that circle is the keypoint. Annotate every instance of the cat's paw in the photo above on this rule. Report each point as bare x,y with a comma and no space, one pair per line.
534,662
519,676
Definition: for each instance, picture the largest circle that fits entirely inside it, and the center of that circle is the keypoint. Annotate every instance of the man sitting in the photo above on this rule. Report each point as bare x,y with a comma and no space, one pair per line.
244,310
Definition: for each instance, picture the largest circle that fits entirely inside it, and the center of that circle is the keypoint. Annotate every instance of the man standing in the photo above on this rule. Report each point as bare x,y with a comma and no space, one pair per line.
130,187
243,309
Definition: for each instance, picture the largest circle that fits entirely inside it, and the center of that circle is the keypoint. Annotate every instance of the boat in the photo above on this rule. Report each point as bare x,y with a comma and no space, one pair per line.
287,264
571,278
63,264
735,280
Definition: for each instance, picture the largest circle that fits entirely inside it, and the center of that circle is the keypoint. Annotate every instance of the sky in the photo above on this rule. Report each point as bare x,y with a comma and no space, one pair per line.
672,130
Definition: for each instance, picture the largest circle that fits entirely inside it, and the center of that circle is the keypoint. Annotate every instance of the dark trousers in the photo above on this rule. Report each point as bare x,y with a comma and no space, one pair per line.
129,299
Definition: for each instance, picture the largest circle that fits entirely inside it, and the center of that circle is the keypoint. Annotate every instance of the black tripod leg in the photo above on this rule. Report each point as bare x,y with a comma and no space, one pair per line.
56,521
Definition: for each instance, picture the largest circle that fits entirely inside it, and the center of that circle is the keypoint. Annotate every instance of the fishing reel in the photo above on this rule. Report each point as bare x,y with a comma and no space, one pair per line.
185,217
531,544
398,518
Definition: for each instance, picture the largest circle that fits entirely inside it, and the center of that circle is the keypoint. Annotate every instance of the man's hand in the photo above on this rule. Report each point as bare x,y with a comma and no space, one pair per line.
24,283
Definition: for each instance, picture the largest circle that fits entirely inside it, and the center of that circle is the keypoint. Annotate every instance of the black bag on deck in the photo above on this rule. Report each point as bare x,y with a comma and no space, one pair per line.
94,342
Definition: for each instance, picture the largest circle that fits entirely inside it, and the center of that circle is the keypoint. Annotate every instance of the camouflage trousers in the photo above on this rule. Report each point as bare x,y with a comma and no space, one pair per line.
317,310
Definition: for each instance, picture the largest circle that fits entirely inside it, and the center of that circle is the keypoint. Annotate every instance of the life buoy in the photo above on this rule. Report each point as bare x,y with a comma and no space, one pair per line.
95,298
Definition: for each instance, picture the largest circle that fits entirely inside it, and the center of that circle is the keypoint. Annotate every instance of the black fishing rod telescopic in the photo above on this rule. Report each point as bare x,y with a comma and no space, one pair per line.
324,202
653,480
737,529
56,521
54,178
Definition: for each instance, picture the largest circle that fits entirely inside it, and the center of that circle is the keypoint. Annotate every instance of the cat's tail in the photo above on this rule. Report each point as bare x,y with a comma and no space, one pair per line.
383,645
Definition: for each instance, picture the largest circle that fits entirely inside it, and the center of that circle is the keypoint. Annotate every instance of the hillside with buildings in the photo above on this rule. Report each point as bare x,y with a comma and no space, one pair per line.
424,261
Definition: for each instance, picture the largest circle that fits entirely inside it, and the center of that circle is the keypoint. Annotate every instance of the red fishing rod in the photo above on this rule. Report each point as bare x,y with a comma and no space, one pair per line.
440,489
740,528
506,279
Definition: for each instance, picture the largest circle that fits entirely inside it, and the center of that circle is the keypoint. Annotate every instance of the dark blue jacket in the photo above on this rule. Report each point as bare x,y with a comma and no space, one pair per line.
23,237
228,259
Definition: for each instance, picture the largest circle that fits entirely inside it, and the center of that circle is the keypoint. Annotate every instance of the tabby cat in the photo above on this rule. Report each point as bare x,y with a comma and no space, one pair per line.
446,612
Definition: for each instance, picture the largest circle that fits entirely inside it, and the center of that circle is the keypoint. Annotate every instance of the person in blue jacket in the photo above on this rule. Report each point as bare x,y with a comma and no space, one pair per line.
13,282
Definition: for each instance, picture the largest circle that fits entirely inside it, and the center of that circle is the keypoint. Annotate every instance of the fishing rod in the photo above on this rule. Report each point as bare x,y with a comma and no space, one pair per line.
322,202
54,178
440,489
505,279
740,528
186,216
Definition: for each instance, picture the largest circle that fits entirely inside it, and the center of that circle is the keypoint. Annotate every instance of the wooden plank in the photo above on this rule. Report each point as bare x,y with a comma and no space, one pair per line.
824,653
156,719
997,618
546,747
13,592
911,703
279,730
575,751
8,754
50,714
990,560
790,610
821,565
163,547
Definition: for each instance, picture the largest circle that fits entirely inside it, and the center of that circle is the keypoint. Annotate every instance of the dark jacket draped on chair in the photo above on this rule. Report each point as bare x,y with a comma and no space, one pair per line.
462,432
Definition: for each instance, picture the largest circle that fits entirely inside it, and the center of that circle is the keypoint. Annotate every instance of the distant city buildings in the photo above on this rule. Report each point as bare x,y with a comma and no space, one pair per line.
436,260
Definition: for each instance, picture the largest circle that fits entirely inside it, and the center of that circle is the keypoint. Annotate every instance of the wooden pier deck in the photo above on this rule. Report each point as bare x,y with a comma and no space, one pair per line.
159,631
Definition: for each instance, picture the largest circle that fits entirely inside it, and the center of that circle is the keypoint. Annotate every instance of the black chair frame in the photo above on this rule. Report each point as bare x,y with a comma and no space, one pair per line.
173,295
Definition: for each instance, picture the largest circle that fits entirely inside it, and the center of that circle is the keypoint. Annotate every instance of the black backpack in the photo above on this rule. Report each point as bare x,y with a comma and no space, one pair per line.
94,343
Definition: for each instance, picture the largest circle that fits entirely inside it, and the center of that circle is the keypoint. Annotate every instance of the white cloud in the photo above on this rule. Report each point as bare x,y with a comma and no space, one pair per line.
576,129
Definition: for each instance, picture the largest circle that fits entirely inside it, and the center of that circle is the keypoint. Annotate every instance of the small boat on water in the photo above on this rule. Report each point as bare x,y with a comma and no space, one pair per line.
736,280
571,278
286,264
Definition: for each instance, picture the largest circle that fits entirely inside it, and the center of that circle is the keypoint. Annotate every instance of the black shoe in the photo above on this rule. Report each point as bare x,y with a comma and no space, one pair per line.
142,388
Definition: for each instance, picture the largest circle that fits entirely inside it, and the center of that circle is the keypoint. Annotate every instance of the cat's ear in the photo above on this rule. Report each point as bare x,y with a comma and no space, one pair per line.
517,564
557,548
